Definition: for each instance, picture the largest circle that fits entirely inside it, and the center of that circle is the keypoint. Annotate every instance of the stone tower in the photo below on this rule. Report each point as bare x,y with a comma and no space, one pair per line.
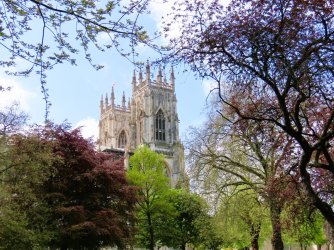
149,118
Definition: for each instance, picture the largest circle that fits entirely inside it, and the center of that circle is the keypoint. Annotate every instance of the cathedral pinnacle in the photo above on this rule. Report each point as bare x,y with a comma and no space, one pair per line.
140,77
172,77
123,101
148,80
159,77
134,81
101,104
106,101
112,97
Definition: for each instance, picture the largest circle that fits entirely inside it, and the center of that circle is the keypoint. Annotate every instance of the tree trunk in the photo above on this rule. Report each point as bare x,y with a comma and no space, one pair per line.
318,247
151,232
183,247
254,234
276,240
324,208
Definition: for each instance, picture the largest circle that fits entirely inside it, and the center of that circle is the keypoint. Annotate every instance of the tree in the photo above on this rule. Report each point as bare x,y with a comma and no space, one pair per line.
184,225
57,191
242,219
92,204
227,156
25,166
306,226
12,119
147,172
65,28
210,233
277,55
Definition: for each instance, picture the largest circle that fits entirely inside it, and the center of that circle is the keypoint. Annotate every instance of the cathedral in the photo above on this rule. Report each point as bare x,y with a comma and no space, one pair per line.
149,118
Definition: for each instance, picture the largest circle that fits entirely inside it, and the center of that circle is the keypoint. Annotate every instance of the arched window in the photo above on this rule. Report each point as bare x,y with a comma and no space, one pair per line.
122,140
160,133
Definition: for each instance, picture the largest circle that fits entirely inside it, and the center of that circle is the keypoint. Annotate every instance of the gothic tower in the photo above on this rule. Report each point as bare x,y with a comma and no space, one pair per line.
150,118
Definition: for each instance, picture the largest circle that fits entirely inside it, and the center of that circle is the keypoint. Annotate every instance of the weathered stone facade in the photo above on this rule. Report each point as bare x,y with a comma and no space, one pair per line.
149,118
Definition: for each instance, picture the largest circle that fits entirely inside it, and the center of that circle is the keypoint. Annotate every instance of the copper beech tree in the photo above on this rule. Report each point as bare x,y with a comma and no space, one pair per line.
92,204
280,53
64,194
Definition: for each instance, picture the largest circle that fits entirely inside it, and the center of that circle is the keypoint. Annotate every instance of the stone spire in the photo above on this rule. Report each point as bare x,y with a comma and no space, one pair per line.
106,101
159,77
123,101
148,73
101,104
134,82
112,98
172,77
140,77
129,106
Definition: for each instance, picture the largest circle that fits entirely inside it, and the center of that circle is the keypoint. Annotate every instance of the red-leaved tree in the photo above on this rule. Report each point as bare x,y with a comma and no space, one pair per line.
92,203
280,53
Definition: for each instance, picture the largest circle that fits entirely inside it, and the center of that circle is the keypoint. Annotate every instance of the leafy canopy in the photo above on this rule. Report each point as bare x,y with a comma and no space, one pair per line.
57,191
277,57
92,203
147,172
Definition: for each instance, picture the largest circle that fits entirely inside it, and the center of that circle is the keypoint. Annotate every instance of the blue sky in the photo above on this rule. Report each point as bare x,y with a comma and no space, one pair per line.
75,91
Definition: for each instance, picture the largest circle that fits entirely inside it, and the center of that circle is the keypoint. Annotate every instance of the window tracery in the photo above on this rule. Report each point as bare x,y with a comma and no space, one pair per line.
122,140
160,126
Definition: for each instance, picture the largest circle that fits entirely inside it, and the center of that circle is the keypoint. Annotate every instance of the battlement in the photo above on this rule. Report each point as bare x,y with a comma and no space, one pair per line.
160,81
105,106
137,86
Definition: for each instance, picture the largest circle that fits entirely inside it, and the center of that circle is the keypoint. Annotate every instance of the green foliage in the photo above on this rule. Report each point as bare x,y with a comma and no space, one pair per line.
186,223
14,232
230,157
164,217
304,228
211,236
25,165
147,172
57,191
240,217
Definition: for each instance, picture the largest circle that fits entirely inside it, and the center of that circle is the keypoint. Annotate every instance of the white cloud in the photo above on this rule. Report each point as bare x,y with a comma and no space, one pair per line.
209,87
89,127
162,11
16,94
105,37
